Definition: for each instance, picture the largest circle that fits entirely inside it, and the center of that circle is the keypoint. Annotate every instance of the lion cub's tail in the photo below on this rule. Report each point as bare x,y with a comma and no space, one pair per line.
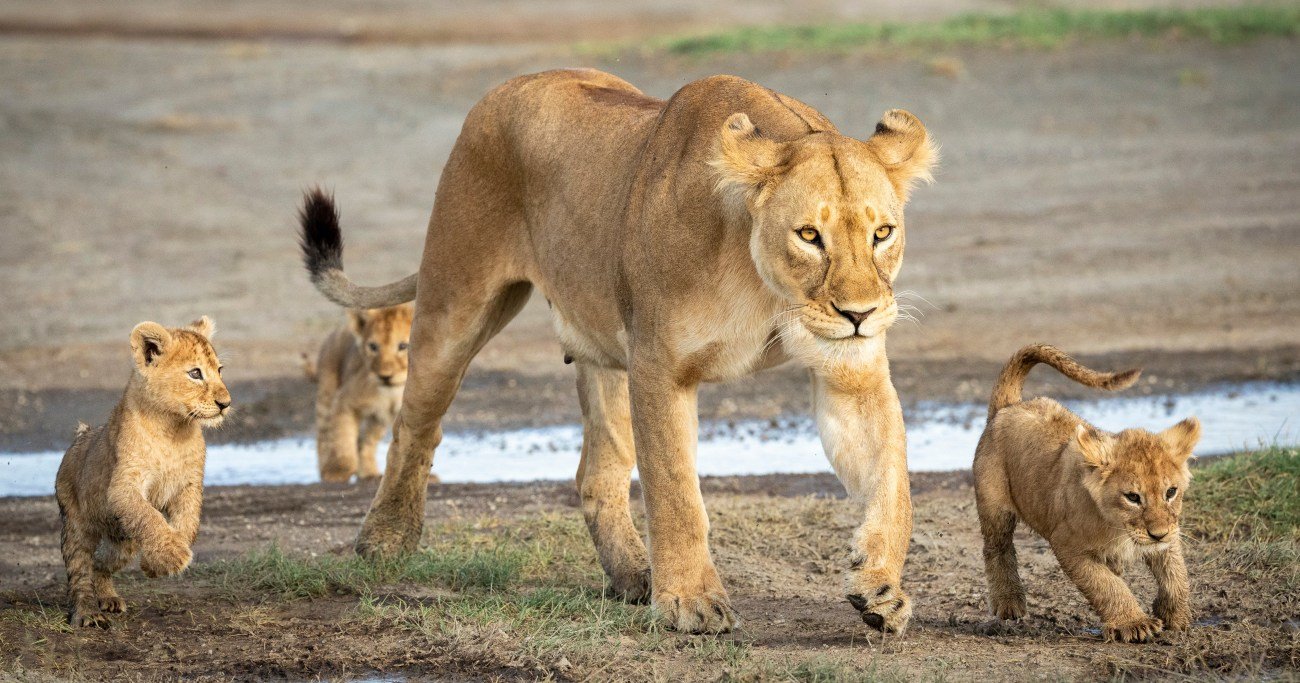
322,252
1012,379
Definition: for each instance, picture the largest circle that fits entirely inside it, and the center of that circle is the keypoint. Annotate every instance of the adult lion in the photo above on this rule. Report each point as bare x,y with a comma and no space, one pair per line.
723,231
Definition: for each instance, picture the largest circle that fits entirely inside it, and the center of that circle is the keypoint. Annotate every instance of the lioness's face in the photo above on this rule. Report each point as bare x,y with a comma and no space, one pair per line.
181,371
827,214
1142,479
384,335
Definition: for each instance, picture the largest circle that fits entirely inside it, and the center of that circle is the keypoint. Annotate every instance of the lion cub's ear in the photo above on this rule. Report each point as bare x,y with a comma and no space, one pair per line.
204,326
148,341
905,149
1182,437
1089,443
357,320
745,161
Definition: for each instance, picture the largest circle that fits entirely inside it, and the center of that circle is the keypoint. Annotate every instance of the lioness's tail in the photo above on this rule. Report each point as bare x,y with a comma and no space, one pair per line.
1007,391
322,253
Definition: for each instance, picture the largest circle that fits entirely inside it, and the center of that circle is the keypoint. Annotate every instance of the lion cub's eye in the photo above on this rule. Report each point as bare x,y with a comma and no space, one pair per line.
1173,491
809,234
403,346
883,233
195,374
1134,498
373,346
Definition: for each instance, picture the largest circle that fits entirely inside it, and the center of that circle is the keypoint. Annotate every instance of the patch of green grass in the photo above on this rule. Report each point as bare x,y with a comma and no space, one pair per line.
1253,496
1033,28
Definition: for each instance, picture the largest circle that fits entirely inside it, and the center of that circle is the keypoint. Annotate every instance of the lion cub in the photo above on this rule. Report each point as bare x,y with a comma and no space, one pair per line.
359,376
135,485
1099,499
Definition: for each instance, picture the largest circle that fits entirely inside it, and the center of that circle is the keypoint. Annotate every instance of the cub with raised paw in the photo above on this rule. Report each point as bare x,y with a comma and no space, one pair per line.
1100,499
135,485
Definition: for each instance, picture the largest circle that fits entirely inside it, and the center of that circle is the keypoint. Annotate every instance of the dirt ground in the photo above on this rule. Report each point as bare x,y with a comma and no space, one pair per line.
1135,202
778,541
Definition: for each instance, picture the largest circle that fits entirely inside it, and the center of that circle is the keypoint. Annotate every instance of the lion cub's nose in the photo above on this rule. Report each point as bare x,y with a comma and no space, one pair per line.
222,405
1156,536
855,317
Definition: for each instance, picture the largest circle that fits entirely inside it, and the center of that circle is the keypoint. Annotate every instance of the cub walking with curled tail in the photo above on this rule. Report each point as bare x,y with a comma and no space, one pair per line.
1099,499
135,485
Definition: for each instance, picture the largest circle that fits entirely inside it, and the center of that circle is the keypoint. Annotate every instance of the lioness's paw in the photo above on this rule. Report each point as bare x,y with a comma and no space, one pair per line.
112,603
705,613
378,542
1135,631
169,556
883,604
632,586
89,617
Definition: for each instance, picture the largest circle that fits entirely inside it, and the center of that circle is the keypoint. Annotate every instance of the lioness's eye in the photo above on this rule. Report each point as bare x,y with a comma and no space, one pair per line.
403,346
373,346
883,233
1134,498
808,234
196,374
1169,495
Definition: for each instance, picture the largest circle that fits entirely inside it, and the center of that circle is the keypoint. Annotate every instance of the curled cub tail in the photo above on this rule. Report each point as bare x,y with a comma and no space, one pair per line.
322,252
1012,379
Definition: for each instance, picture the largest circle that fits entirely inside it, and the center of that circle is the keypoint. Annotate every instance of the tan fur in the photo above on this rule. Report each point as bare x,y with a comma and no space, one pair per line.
1040,463
135,485
666,236
359,376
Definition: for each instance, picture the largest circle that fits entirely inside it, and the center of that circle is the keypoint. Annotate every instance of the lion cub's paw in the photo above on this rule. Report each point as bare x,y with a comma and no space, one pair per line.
704,613
113,603
89,617
1135,631
1009,608
170,556
1175,618
883,604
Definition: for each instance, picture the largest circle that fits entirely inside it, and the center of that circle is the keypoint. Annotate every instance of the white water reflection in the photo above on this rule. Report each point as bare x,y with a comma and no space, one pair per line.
940,437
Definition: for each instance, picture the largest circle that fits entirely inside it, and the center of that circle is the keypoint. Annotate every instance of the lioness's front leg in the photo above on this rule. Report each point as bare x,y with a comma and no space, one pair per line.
861,425
685,589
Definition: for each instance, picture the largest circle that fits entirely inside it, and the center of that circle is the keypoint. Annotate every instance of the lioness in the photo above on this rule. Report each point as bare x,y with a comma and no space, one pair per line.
135,485
723,231
359,375
1099,499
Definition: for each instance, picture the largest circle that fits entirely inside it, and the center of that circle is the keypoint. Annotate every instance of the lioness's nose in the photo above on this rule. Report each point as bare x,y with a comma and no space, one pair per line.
855,317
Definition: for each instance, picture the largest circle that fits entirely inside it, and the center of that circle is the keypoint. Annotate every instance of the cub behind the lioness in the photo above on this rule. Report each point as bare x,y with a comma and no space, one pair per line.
135,485
359,374
1099,499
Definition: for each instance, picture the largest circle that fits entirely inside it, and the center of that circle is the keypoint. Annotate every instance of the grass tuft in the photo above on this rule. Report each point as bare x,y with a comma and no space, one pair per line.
1252,496
1032,28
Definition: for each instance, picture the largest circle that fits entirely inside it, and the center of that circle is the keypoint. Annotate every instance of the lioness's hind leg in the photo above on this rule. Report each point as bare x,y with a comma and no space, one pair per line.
998,526
112,557
450,326
604,476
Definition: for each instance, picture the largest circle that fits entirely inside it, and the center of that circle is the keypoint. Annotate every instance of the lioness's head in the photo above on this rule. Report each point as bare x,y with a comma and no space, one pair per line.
1137,478
180,372
827,213
384,334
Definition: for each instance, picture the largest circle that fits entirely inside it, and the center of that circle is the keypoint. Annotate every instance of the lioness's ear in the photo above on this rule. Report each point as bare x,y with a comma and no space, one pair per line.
357,320
148,341
204,326
905,149
1182,437
1090,446
745,160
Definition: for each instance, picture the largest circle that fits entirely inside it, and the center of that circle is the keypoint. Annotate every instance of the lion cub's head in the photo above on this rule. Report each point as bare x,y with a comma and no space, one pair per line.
384,334
827,212
1138,479
179,372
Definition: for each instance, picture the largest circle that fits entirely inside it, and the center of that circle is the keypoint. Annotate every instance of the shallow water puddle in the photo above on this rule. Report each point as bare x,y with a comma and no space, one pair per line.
940,437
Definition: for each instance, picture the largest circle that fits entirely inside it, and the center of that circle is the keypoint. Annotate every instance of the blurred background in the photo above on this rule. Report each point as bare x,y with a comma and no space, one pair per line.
1119,178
